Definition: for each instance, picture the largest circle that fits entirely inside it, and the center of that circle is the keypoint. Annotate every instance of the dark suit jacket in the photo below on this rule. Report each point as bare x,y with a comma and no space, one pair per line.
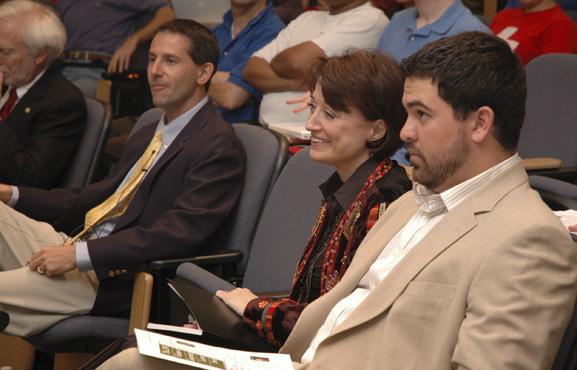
174,213
39,138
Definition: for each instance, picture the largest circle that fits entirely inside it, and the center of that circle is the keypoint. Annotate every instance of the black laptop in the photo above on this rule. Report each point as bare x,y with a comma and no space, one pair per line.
220,325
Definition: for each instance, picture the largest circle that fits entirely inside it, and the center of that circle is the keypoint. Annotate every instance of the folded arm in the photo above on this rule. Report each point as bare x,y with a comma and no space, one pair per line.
225,94
294,62
259,73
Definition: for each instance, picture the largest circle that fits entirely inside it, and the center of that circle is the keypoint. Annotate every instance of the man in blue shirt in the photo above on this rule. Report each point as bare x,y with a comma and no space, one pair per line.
412,28
246,27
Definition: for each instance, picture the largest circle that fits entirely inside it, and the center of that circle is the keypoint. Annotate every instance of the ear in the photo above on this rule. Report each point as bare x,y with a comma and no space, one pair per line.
378,130
205,74
483,122
41,57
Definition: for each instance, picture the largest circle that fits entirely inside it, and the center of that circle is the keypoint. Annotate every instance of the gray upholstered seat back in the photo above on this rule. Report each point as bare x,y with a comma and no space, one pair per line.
266,154
286,223
95,133
550,127
558,194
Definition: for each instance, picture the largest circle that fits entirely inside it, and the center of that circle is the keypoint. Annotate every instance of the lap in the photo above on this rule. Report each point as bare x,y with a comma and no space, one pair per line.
33,301
21,236
131,359
36,302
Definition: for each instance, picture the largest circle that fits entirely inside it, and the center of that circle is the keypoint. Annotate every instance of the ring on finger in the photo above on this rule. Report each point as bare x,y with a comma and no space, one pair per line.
40,270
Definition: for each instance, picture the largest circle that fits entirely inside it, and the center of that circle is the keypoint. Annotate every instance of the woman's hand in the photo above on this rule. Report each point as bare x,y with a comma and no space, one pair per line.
236,299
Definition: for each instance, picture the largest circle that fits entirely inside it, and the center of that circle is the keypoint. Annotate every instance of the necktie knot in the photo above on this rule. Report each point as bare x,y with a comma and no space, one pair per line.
9,104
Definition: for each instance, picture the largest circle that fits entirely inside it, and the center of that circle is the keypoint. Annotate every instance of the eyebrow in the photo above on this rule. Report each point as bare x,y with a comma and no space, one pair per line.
418,104
163,55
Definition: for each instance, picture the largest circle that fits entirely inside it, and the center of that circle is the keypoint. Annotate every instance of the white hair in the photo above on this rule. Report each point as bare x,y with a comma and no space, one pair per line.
42,29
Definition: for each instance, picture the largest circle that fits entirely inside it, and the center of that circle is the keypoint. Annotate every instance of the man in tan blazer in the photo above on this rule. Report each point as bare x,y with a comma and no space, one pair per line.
488,279
471,270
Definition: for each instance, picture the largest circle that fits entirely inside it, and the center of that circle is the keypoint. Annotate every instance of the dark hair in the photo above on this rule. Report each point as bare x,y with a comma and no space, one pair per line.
370,82
203,44
475,69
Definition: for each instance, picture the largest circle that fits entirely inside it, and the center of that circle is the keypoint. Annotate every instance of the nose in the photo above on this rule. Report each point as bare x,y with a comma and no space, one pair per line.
408,133
154,68
312,122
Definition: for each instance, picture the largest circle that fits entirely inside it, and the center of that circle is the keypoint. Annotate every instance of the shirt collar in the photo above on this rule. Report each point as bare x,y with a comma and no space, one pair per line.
442,25
345,193
171,131
22,90
450,198
227,18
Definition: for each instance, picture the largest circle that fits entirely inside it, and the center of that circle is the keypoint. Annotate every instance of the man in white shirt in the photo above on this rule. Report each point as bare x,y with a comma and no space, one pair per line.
471,270
279,69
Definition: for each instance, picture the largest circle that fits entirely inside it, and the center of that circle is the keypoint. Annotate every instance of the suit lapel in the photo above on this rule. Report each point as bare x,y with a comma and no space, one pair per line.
385,228
456,223
26,103
142,195
374,244
461,220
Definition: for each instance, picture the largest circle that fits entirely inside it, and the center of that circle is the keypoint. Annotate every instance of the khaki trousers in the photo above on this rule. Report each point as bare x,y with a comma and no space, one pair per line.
131,359
33,301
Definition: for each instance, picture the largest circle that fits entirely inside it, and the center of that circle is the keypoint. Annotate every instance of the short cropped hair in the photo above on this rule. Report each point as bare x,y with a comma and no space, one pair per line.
475,69
370,82
42,28
203,44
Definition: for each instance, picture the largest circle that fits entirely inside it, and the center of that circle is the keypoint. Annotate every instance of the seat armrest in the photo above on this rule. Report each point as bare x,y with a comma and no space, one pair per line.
541,163
222,257
141,298
223,261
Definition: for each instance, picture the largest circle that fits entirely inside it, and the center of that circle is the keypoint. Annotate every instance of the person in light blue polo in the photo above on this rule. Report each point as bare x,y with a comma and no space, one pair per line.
246,28
412,28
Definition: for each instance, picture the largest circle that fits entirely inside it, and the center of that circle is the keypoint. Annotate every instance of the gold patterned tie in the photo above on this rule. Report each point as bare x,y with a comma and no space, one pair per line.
118,202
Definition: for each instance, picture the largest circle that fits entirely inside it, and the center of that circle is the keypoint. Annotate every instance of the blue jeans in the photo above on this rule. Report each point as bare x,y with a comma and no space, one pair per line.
84,78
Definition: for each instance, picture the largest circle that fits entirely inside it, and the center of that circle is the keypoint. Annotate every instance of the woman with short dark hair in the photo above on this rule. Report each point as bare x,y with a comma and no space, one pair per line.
355,119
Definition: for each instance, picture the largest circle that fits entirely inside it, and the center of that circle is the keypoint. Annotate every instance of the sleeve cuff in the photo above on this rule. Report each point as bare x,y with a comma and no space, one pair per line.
14,197
83,262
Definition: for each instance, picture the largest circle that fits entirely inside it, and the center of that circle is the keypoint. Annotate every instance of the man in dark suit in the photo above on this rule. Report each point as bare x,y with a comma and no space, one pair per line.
42,115
175,183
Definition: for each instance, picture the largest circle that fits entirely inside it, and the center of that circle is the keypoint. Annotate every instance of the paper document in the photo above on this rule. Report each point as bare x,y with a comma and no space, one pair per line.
568,218
207,357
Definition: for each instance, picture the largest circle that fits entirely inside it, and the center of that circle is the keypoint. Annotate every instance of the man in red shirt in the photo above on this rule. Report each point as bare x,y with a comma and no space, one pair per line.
537,27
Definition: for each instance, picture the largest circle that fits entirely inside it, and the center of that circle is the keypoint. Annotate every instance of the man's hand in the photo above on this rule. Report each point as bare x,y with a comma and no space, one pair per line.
304,100
121,57
236,299
53,260
5,193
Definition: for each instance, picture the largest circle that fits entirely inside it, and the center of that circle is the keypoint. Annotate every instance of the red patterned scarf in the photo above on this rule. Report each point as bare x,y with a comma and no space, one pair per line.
342,241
